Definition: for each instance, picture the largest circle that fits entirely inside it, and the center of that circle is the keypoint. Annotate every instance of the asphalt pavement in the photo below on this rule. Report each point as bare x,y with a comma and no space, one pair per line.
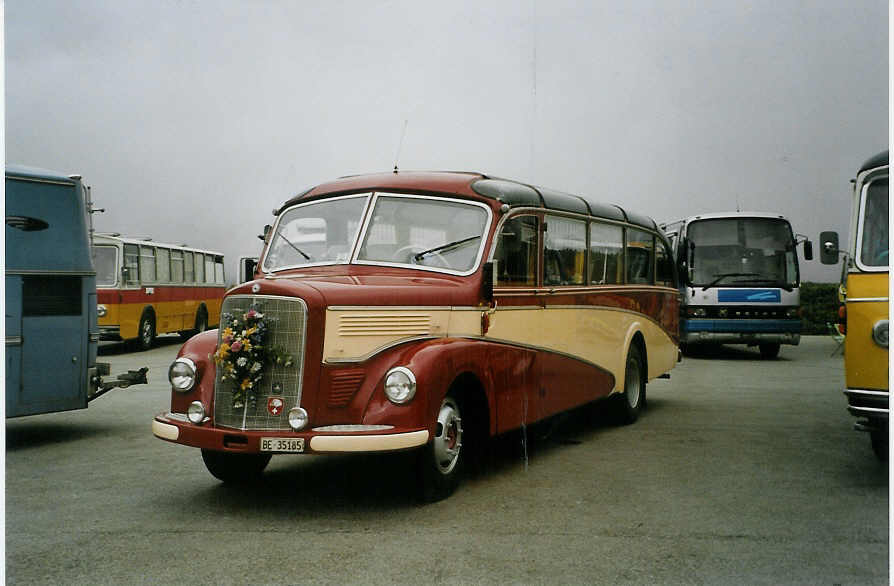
741,471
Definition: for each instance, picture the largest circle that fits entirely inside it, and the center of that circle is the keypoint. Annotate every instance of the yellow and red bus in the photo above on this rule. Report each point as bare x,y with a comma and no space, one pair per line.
865,297
147,288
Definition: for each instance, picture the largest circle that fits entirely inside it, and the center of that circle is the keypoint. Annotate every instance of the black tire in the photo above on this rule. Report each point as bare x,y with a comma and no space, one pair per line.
879,440
769,351
146,332
235,468
630,403
442,460
201,324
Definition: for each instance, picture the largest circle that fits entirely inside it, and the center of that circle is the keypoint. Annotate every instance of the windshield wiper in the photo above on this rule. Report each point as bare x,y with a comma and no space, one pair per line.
298,250
723,276
419,255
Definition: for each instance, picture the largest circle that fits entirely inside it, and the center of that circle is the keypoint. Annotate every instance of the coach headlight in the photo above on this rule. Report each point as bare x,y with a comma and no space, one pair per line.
880,333
400,385
101,310
182,374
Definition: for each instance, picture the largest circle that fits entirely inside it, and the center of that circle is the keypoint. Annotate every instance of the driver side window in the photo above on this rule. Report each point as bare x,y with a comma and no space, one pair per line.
515,257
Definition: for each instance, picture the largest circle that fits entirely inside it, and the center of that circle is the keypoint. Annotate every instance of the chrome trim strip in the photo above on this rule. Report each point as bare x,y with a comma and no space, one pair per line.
403,308
867,410
534,347
589,307
865,299
14,340
367,356
866,393
346,428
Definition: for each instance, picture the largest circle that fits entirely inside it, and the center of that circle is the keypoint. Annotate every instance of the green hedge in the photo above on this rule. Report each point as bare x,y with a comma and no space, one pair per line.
819,305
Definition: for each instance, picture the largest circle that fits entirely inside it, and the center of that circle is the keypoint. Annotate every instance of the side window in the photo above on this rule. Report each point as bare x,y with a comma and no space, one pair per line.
132,264
515,257
147,264
640,256
163,265
606,254
209,268
189,275
664,266
218,270
564,251
200,268
177,266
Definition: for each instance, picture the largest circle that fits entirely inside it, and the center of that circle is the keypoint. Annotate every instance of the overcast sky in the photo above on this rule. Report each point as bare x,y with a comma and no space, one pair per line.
192,120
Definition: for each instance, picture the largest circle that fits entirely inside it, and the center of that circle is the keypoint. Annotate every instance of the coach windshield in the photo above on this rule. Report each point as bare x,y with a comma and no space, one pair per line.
316,233
401,230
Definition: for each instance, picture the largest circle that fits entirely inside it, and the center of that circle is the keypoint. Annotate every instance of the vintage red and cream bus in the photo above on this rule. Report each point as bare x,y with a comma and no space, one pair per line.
426,311
147,288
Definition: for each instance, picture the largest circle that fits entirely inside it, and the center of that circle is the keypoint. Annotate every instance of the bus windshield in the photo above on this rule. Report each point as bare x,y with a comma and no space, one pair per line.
874,243
401,230
105,261
742,252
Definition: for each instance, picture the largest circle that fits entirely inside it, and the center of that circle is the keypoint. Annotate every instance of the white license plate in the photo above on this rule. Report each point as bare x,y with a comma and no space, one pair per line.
282,444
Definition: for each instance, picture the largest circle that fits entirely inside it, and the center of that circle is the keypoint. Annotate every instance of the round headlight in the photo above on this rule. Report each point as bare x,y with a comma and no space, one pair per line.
880,333
297,418
101,310
182,374
400,385
195,412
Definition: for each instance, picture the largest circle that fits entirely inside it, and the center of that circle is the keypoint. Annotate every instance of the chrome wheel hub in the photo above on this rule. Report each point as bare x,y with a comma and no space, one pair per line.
632,383
448,437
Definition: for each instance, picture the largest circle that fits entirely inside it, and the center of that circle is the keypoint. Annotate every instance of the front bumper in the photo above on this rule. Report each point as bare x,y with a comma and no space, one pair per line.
741,331
872,404
110,333
174,427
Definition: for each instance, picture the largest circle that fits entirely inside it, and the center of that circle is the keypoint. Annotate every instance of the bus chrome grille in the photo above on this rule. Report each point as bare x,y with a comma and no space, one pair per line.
286,319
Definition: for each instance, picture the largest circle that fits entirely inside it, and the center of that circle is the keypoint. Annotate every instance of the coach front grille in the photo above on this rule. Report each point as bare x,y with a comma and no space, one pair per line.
286,320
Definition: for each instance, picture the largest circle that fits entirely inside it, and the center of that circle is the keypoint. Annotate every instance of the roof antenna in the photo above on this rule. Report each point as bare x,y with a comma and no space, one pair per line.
400,144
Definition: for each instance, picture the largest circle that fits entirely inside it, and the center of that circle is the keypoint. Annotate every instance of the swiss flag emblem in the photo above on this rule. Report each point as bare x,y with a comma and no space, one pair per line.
274,405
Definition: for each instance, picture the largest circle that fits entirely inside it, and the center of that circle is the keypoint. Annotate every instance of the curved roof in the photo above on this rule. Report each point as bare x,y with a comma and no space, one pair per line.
507,191
879,160
25,172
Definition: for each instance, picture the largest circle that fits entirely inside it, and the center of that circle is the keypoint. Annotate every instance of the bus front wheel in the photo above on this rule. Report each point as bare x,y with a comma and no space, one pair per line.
235,468
441,461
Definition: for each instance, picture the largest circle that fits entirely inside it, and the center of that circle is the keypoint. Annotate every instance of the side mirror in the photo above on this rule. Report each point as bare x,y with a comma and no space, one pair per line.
829,251
808,250
487,282
263,236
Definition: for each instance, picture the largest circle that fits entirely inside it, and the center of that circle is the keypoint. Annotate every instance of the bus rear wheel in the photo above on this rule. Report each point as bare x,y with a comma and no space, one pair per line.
629,404
235,468
769,350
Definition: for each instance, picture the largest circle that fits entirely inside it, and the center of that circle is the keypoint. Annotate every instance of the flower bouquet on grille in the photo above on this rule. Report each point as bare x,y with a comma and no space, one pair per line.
243,353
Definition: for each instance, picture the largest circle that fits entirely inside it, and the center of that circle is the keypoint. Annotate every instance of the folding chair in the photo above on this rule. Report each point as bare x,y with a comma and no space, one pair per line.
836,334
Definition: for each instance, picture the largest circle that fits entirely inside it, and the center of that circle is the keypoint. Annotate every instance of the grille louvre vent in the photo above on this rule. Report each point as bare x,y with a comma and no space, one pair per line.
343,387
393,324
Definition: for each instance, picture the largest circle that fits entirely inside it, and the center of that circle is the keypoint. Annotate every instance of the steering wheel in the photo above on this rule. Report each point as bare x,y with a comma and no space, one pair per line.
407,254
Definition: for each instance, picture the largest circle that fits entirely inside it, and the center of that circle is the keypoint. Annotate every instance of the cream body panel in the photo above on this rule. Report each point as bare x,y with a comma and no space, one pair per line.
355,334
598,335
